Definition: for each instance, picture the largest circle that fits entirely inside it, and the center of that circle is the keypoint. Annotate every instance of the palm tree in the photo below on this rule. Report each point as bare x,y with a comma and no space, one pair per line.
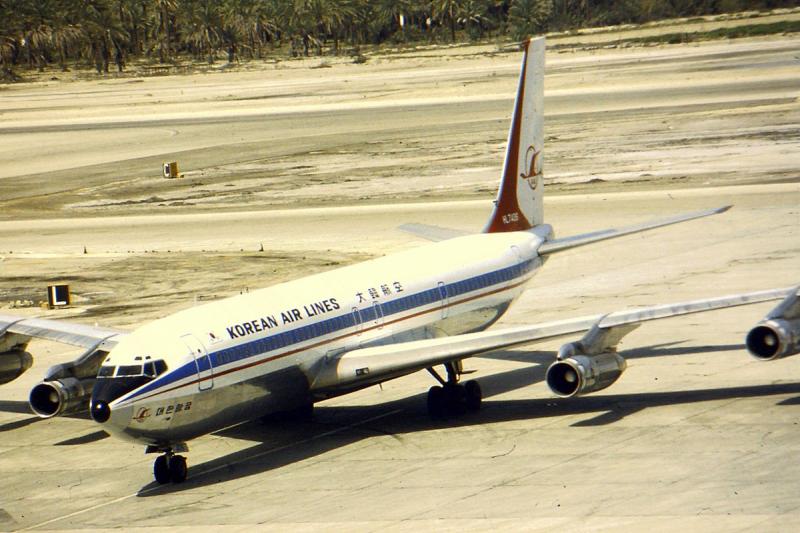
104,33
393,15
446,11
473,14
202,25
163,13
527,17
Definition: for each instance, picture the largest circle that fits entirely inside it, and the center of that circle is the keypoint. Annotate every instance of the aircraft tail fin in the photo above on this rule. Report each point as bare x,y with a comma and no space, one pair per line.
518,206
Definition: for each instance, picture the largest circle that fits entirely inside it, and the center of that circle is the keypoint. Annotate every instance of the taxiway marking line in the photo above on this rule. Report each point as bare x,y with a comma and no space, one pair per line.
205,472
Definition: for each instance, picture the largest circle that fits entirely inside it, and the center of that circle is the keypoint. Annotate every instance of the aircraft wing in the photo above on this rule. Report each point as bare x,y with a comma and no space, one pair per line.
558,245
366,366
21,330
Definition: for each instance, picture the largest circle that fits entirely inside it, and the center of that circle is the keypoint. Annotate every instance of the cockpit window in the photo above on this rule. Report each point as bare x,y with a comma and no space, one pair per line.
150,369
129,370
155,368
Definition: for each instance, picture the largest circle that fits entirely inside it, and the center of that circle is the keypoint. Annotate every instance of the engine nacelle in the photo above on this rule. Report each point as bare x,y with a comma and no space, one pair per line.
61,396
773,339
581,374
13,364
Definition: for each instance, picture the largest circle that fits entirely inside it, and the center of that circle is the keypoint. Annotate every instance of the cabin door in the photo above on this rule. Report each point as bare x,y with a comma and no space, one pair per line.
445,300
202,363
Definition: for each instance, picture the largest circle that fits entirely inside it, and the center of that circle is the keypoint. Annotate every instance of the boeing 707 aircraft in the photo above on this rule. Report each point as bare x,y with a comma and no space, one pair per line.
285,347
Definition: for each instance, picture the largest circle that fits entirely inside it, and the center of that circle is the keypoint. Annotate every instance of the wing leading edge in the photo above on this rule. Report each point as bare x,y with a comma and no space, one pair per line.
367,366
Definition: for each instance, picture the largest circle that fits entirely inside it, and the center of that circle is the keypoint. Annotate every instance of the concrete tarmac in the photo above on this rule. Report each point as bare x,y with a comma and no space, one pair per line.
695,435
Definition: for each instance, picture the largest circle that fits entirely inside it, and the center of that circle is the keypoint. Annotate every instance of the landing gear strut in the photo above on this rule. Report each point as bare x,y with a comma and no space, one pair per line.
169,467
452,398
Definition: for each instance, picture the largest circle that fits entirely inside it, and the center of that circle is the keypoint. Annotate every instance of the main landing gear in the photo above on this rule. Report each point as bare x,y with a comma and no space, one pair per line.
451,398
169,467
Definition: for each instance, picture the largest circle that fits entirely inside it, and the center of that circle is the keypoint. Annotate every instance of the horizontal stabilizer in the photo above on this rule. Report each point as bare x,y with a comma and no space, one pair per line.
559,245
432,233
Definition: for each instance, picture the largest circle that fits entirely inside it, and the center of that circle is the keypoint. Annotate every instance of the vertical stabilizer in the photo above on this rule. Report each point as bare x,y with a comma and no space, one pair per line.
519,201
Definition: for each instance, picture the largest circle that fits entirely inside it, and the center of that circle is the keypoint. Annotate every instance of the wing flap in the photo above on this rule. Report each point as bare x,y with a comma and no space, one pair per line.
697,306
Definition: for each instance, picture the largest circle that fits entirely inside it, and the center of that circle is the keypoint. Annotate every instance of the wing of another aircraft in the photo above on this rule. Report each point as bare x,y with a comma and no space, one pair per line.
375,364
23,329
16,332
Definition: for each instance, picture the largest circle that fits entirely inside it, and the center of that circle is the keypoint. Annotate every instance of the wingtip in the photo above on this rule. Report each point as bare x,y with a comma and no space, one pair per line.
723,208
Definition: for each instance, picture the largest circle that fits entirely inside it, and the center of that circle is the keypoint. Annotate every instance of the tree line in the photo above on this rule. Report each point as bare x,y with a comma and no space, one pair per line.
108,33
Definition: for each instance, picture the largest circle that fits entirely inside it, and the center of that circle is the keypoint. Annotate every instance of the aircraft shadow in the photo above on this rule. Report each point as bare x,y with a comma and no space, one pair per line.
84,439
15,406
335,427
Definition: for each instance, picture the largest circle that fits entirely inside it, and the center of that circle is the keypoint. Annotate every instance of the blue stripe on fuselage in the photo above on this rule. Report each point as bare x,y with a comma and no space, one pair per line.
335,324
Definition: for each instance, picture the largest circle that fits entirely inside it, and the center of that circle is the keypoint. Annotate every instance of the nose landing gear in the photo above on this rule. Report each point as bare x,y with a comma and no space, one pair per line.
169,467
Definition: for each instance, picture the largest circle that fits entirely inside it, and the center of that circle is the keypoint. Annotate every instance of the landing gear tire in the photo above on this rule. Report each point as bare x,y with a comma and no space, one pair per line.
161,470
456,399
305,413
177,469
437,408
169,467
474,396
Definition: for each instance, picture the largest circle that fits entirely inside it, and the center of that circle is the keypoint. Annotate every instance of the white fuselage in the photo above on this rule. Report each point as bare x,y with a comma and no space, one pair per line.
256,353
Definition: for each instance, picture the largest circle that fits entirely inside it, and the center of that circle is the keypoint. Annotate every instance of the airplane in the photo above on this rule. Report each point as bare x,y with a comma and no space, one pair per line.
283,348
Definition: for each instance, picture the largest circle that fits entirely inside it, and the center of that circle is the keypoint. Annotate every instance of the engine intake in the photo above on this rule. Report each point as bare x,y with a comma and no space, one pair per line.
61,397
13,364
582,374
773,339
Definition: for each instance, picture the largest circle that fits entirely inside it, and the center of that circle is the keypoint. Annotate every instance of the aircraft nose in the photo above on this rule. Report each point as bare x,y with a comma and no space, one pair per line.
100,411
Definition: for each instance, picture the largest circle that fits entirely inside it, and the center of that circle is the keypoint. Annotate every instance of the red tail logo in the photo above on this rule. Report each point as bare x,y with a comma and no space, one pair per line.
534,169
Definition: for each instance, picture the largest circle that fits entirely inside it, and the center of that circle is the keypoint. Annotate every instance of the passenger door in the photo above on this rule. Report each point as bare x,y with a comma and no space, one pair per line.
205,373
445,299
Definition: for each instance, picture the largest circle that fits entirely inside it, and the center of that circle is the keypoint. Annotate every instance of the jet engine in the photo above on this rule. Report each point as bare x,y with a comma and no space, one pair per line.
67,387
773,339
61,396
14,359
13,364
579,374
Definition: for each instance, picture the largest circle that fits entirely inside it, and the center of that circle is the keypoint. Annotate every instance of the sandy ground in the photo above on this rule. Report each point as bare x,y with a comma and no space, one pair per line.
319,167
419,128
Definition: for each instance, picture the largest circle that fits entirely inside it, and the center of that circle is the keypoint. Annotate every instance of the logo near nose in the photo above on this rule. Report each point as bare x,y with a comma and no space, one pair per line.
141,414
